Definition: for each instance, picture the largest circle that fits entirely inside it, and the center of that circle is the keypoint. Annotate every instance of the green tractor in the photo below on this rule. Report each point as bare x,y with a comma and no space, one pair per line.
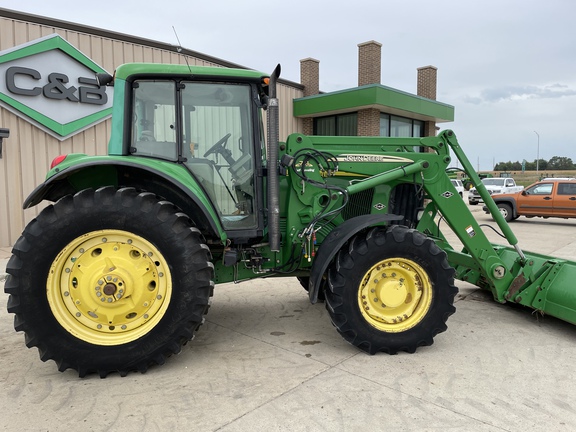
118,272
468,182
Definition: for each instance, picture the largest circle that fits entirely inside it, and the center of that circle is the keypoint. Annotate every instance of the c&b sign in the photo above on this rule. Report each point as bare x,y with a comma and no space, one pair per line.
50,83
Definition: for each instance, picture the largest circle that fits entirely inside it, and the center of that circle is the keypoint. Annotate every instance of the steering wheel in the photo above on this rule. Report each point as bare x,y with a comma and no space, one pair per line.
219,146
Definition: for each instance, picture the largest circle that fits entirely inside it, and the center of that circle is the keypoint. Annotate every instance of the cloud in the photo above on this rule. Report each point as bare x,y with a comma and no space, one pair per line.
513,93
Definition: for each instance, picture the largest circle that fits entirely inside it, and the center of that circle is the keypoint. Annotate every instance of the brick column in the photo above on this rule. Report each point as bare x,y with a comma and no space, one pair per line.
369,72
429,128
310,76
310,79
427,76
369,63
308,126
427,81
369,122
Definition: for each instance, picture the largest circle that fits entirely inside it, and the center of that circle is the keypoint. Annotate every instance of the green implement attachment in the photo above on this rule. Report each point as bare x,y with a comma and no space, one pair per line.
543,283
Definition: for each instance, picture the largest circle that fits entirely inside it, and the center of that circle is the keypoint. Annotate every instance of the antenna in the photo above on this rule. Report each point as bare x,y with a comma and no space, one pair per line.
179,49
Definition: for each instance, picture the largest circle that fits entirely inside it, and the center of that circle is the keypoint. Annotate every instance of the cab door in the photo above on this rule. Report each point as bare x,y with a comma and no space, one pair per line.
537,200
565,201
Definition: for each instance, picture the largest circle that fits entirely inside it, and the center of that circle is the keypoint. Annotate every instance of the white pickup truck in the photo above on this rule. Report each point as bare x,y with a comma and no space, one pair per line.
495,186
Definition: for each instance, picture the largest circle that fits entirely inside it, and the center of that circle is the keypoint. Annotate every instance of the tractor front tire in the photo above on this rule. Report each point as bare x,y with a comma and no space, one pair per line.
111,280
304,282
390,290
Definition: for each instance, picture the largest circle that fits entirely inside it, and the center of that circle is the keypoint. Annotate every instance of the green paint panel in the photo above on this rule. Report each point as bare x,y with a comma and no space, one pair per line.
129,69
99,167
373,96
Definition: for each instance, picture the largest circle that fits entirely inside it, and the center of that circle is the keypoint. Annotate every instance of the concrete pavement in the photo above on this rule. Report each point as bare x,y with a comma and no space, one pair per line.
267,360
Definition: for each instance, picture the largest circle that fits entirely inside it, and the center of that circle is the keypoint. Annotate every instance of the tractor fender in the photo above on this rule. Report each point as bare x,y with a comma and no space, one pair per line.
128,174
334,242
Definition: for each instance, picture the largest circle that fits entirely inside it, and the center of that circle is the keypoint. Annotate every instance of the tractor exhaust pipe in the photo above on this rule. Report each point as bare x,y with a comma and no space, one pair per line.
273,182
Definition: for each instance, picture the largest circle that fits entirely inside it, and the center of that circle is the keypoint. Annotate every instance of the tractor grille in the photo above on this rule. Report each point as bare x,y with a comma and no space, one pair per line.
324,231
359,204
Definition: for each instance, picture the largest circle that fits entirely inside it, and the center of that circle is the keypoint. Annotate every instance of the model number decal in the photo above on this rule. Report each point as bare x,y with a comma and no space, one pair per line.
371,158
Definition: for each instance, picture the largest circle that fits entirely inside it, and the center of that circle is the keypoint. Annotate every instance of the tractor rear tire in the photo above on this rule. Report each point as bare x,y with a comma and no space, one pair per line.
390,290
111,280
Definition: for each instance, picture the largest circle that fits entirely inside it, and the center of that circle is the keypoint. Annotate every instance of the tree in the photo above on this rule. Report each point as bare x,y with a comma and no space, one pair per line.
507,166
560,163
542,164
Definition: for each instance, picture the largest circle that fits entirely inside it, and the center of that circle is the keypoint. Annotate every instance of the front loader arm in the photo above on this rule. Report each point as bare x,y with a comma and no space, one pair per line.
537,281
378,163
479,262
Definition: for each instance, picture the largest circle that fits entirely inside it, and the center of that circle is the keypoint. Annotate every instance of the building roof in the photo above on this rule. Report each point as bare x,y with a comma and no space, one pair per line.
382,98
67,25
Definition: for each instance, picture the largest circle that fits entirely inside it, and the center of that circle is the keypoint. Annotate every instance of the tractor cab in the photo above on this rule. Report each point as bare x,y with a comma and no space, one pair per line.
211,128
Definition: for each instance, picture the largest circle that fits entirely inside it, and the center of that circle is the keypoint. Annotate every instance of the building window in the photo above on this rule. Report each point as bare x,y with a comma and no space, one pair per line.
337,125
396,126
384,125
400,127
418,128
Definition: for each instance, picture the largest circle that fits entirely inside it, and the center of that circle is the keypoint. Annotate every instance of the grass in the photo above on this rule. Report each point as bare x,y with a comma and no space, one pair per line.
526,178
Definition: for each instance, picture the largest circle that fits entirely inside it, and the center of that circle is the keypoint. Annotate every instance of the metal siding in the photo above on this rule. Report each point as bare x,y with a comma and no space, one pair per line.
29,150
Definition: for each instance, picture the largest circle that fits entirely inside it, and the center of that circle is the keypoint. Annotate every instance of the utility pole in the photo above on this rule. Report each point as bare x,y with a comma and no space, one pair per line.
537,152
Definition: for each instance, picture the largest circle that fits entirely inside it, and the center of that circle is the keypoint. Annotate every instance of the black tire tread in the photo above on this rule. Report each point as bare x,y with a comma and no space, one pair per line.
341,295
194,267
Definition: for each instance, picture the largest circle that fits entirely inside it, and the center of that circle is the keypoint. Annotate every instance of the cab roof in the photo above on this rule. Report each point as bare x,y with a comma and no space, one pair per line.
129,69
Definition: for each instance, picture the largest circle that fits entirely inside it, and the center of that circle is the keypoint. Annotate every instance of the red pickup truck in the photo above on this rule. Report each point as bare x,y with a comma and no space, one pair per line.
554,197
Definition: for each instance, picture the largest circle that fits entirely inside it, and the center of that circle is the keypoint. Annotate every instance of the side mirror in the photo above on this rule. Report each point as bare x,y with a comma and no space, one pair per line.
524,193
104,79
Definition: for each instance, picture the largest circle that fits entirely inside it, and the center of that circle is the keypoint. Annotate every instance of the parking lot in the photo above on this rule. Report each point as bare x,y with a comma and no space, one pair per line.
268,360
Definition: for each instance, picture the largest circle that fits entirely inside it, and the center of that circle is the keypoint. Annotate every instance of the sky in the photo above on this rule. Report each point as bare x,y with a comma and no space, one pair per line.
507,66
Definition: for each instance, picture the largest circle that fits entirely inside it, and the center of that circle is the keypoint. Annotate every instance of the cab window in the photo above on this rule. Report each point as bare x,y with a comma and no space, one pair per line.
154,120
217,147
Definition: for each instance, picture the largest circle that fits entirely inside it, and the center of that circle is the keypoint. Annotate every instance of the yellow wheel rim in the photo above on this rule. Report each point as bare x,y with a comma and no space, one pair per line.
109,287
395,295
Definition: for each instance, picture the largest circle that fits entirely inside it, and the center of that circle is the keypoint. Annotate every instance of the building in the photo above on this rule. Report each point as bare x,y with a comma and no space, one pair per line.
370,109
52,105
